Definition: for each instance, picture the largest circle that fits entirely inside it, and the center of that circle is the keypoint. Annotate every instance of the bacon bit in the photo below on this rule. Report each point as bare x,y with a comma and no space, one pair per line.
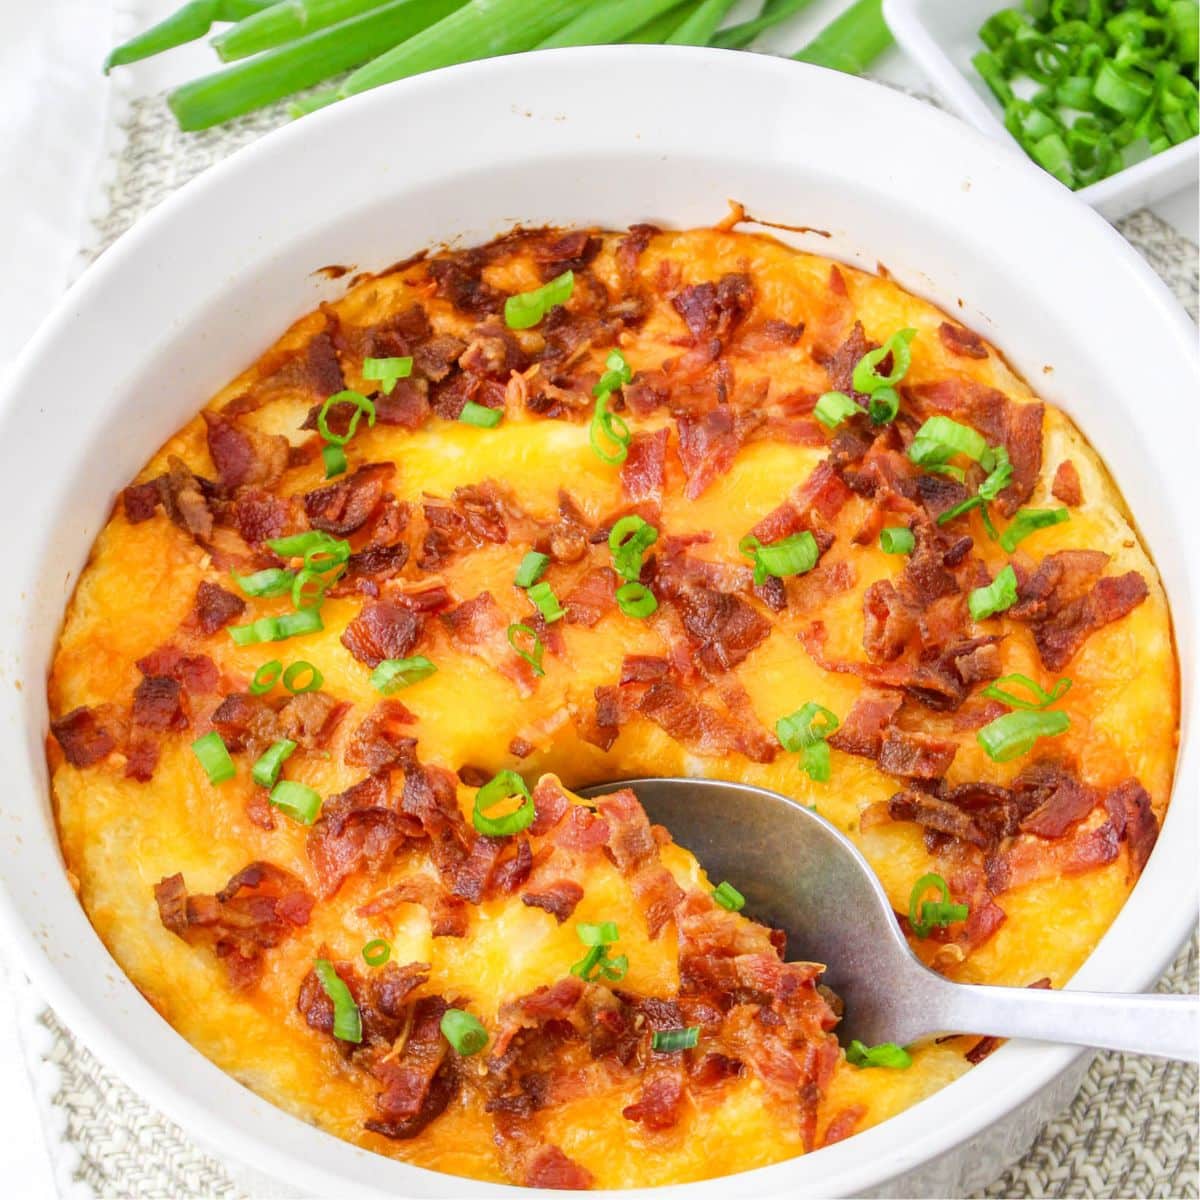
631,247
214,608
567,539
259,516
518,747
246,722
708,444
1140,824
479,628
1066,486
551,1168
644,469
592,598
915,755
85,741
459,279
714,310
344,506
448,915
475,872
559,898
183,499
435,358
244,456
965,343
1053,799
474,515
823,494
635,851
378,743
837,282
141,757
643,668
311,718
357,830
492,353
141,501
714,1069
660,1104
382,630
862,730
405,406
842,1124
158,704
197,672
1064,630
238,928
550,804
723,628
841,363
698,726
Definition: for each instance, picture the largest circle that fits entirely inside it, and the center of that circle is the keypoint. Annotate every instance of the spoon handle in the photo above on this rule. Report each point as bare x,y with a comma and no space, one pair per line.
1162,1026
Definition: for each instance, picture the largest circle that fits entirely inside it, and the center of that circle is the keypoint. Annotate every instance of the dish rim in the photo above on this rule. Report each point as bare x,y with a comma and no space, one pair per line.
1005,1081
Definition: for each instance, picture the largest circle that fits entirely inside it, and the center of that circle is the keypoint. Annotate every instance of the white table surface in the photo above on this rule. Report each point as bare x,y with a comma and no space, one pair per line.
56,115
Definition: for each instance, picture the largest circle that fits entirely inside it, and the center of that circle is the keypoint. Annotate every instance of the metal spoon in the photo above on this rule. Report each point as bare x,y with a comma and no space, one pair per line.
800,874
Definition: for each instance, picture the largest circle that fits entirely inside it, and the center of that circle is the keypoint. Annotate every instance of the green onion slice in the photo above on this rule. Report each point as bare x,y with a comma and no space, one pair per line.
671,1041
266,677
361,406
543,598
924,915
601,933
883,405
999,595
886,1054
526,309
334,458
387,371
533,567
805,731
833,408
265,771
896,539
214,757
1041,697
939,439
866,377
507,785
533,656
463,1032
395,673
636,600
792,555
1027,521
1015,733
320,550
308,588
376,952
616,375
296,671
274,581
628,541
296,800
480,416
727,896
596,964
276,629
608,434
347,1024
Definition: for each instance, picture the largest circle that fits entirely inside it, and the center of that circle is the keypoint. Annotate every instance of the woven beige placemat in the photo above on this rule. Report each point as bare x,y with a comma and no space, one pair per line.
1130,1132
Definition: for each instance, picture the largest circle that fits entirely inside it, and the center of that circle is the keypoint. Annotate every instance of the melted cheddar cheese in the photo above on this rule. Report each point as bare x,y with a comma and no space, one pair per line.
121,836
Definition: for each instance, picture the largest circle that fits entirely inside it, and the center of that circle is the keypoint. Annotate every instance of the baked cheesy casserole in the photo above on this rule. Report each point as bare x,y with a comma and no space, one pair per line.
580,506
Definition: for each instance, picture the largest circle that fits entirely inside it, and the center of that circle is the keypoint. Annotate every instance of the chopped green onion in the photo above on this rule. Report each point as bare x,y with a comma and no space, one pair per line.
805,731
266,677
480,416
896,539
636,600
999,595
265,771
671,1041
214,757
276,629
617,373
526,309
347,1023
308,588
320,550
334,458
1015,733
628,541
296,800
376,952
926,915
360,404
608,427
1041,697
1001,474
395,673
939,439
543,598
866,377
883,405
603,933
886,1054
533,567
463,1032
506,785
1027,521
533,656
387,371
274,581
295,671
792,555
833,408
727,896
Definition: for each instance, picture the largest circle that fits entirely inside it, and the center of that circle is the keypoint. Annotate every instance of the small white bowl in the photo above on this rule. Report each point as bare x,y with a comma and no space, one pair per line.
942,36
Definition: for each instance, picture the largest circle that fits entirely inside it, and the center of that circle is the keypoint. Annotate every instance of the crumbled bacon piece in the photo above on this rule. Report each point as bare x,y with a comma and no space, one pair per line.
459,278
379,743
244,456
593,597
310,719
914,754
559,898
1066,486
549,1167
644,469
84,738
344,506
197,672
259,516
708,444
383,629
966,343
159,704
661,1102
714,310
631,247
215,608
723,627
479,627
246,722
357,830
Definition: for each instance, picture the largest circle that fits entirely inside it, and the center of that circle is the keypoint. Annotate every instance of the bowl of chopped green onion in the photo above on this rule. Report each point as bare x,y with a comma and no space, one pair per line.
1101,94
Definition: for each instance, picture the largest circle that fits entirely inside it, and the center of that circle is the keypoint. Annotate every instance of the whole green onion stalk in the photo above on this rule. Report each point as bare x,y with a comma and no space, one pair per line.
184,25
852,41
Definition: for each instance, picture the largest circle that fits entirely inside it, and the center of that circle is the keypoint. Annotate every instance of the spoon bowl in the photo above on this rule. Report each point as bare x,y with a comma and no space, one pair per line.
802,875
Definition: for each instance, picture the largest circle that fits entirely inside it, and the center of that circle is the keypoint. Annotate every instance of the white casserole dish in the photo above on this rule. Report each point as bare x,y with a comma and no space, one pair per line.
612,136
